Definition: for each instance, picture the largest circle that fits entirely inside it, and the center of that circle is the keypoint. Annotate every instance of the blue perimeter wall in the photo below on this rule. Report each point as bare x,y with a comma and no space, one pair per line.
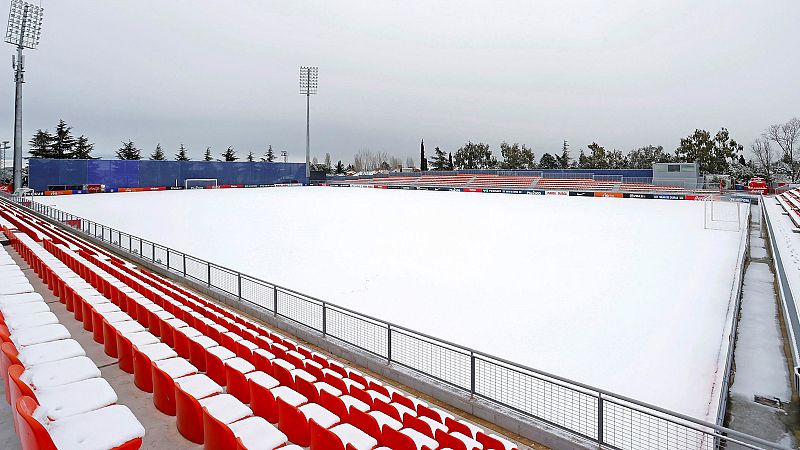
145,173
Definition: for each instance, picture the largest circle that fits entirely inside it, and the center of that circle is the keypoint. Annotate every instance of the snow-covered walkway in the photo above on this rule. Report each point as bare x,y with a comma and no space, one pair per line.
761,367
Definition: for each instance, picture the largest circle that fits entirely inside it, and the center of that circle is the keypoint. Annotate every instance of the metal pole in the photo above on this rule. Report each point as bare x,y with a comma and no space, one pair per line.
308,124
19,78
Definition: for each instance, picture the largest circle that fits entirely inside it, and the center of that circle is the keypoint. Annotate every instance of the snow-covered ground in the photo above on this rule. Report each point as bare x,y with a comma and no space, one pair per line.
632,296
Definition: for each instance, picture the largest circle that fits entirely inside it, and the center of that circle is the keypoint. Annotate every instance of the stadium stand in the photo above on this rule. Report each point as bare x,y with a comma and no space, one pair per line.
229,381
57,394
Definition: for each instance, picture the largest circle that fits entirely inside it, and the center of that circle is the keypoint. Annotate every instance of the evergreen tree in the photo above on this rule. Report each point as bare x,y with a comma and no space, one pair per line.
250,157
423,163
207,155
339,167
328,167
129,151
517,156
41,144
583,161
450,161
644,157
270,156
548,161
230,155
711,153
63,143
475,156
564,161
158,154
83,148
439,161
181,155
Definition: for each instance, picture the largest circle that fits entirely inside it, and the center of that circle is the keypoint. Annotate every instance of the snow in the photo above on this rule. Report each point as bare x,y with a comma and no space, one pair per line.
60,372
101,429
225,408
258,434
75,398
50,351
176,367
760,361
632,296
39,335
357,438
198,386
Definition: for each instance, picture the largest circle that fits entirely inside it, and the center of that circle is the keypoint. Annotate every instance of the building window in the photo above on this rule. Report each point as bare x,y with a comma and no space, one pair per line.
674,168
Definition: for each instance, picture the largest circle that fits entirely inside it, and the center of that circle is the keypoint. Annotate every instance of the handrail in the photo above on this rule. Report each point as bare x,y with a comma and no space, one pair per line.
594,403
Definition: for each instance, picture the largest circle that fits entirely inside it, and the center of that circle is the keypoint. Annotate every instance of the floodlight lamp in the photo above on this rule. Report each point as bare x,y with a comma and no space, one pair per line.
309,79
24,24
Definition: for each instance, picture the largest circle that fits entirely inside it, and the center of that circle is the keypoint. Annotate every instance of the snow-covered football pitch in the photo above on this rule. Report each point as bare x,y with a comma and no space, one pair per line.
631,296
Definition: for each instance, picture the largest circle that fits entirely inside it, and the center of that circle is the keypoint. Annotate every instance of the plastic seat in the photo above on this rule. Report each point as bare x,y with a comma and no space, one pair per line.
125,344
181,337
197,350
447,441
165,372
110,334
350,435
494,442
237,385
324,439
293,423
143,358
188,393
110,427
262,359
57,373
252,433
262,401
215,363
399,441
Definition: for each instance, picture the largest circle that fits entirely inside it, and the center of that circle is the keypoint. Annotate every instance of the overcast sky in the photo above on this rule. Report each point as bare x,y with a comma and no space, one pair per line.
216,73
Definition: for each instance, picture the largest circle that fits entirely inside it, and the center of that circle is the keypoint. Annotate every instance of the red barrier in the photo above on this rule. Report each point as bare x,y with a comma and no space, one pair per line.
67,192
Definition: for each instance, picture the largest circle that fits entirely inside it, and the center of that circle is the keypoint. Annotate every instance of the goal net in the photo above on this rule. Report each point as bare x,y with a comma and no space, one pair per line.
200,183
725,216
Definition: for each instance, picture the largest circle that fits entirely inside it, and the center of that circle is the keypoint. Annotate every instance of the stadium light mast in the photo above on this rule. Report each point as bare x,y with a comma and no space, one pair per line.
309,80
3,148
24,30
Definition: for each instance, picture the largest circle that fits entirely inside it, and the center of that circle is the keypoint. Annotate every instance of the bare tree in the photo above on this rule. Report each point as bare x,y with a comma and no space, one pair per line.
765,157
786,136
364,160
409,162
395,163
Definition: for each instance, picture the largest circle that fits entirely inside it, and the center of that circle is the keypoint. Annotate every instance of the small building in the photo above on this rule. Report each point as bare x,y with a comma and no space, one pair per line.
685,175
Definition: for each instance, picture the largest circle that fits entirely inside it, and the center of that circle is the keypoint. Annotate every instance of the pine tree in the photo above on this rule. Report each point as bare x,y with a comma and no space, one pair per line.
270,156
207,155
564,161
230,155
250,157
423,163
339,167
129,151
439,160
63,143
83,148
450,161
41,144
181,155
328,167
158,154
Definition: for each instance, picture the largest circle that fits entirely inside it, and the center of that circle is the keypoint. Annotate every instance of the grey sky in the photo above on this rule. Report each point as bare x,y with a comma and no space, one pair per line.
624,73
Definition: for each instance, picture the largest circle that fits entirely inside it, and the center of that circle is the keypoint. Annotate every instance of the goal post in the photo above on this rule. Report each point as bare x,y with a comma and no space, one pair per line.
723,216
200,183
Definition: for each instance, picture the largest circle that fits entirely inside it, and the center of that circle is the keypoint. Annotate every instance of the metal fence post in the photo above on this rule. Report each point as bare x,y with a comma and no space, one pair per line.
153,247
167,258
600,418
208,267
274,300
472,374
184,265
324,319
389,342
239,278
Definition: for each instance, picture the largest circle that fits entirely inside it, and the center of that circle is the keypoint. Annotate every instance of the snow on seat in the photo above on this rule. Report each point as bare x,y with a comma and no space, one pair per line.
421,440
114,317
472,427
225,408
31,321
106,308
203,341
434,424
128,327
39,335
18,299
355,437
57,373
289,395
46,352
76,398
262,379
101,429
176,367
240,365
378,396
352,402
467,440
320,415
258,434
506,443
15,287
157,352
198,386
141,338
302,374
403,410
14,311
385,419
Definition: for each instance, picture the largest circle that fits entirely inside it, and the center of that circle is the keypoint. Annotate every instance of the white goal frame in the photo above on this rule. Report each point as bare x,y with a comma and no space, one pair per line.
186,182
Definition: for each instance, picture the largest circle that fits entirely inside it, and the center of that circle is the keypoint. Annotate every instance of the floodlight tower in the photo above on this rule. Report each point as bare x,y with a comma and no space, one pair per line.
3,148
309,80
24,30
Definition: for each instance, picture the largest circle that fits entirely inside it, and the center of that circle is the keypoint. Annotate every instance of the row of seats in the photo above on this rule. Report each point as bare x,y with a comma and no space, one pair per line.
310,397
57,394
790,201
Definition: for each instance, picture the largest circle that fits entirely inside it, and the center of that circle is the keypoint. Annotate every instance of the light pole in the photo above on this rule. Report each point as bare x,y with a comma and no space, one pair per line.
309,80
24,30
3,149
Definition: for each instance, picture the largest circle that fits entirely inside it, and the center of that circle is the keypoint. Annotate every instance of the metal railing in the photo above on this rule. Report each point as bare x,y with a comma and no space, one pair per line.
607,419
